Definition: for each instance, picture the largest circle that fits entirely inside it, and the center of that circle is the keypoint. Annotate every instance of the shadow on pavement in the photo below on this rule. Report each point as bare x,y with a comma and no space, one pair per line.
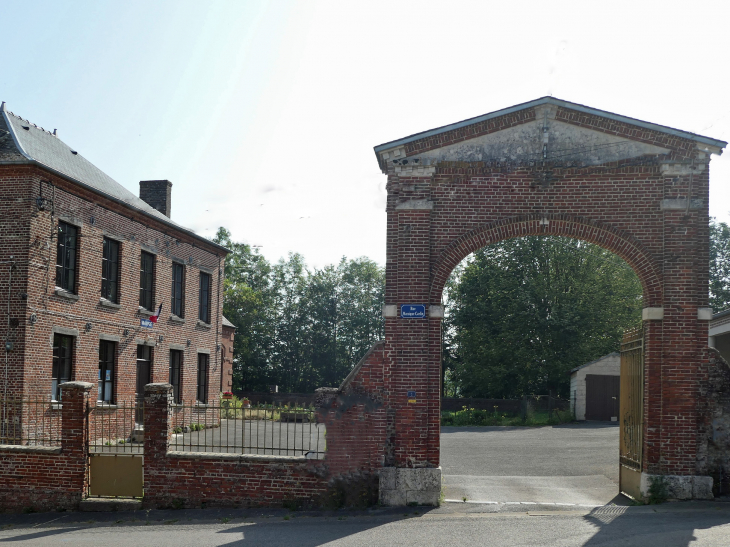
270,533
41,534
650,527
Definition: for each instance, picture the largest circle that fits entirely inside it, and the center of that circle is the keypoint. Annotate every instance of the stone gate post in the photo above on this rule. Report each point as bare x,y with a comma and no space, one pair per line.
412,472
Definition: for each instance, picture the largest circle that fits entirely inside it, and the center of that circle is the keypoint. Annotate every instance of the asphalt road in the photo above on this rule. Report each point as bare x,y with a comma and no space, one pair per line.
462,525
569,464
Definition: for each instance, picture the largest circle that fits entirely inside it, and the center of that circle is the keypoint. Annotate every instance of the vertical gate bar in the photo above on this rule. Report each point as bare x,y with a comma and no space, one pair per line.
280,426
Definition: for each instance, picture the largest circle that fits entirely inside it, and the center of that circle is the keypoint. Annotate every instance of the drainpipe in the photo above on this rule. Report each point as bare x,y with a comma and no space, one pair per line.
7,340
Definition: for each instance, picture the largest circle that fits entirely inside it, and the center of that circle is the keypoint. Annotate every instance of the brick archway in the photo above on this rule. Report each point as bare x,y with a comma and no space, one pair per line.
621,244
638,189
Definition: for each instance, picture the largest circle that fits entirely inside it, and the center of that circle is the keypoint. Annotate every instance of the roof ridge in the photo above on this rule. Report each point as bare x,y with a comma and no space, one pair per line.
63,160
3,109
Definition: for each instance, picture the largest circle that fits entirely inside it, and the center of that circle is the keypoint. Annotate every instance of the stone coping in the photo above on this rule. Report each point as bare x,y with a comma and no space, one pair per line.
253,458
157,387
30,449
77,385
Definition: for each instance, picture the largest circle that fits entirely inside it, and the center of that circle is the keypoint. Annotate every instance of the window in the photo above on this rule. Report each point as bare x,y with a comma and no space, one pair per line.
110,270
176,375
61,372
146,281
144,369
204,300
66,257
178,283
107,350
203,360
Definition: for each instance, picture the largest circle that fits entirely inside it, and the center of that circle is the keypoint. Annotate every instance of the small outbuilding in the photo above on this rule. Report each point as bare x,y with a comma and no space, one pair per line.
720,333
594,389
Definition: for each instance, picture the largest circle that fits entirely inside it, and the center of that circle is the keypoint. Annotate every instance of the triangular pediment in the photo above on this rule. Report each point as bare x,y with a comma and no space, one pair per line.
547,129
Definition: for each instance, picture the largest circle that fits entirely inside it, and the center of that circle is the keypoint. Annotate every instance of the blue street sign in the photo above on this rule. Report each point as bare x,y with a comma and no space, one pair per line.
146,323
413,311
411,394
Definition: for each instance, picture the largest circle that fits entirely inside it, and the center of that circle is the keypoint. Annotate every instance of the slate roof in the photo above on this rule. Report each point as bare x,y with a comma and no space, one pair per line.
23,142
614,354
722,313
558,102
227,323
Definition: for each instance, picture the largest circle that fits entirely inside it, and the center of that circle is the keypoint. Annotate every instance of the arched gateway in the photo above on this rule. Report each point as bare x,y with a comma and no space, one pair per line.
549,167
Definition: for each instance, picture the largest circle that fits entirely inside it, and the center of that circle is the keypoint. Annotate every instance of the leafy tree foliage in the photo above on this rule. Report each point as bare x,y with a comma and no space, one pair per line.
522,313
248,297
719,266
299,329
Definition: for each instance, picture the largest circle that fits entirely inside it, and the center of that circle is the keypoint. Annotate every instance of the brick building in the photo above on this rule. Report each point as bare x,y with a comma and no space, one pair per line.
84,264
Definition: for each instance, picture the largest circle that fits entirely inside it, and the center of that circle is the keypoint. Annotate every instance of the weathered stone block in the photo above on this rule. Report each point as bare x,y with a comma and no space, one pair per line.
418,479
388,478
393,498
680,487
423,497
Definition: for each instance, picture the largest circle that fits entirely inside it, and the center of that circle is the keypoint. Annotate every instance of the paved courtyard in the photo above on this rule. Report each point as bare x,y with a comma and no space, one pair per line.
568,464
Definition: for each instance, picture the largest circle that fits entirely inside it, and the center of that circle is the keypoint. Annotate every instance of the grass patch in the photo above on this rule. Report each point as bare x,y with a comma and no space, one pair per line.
658,490
235,408
475,416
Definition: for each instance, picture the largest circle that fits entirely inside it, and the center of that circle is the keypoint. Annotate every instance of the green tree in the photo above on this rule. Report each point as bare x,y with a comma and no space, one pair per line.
289,351
719,265
361,324
248,303
525,311
296,328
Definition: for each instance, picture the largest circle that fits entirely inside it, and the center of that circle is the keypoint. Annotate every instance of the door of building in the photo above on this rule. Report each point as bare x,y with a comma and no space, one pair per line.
602,397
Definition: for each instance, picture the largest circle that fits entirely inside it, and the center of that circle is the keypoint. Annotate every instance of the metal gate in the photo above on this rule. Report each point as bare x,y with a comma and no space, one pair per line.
631,412
116,450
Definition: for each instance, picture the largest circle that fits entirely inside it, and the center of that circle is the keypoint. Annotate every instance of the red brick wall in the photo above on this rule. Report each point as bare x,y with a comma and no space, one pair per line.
48,479
27,235
183,479
356,419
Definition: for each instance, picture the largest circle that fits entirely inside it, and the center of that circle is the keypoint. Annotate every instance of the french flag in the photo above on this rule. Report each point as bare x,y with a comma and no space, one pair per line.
156,316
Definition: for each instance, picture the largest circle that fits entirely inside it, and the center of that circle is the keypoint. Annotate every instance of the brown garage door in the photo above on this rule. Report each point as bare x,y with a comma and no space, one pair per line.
602,397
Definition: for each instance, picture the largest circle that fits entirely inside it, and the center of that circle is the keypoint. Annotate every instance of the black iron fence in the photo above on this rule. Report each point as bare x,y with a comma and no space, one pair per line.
233,426
27,421
116,428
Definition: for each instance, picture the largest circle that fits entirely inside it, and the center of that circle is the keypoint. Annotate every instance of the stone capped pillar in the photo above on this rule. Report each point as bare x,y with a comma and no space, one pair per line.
157,490
74,433
156,419
676,335
412,374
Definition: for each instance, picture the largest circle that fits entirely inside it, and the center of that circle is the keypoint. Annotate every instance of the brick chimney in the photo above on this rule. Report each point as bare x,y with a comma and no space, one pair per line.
157,194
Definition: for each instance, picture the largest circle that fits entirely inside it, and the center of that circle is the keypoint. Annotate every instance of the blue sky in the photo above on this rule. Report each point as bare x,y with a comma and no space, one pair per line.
264,114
